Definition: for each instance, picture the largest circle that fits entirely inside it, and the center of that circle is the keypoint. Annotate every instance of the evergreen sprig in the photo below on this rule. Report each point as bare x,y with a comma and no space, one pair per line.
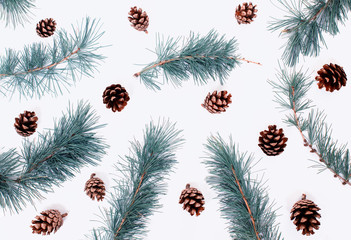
306,22
15,12
199,57
137,194
50,160
243,200
40,69
291,94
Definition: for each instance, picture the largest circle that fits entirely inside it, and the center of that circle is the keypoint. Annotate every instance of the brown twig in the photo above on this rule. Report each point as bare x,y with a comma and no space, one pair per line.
36,165
246,203
125,216
187,57
45,67
313,150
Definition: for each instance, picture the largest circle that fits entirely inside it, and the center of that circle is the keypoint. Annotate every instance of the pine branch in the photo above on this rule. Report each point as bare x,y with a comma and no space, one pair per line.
40,69
15,12
291,92
305,23
202,58
54,158
136,196
244,203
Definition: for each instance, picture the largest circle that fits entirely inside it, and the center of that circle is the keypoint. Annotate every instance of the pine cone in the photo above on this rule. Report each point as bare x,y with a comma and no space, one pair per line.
115,97
217,102
139,19
305,213
95,188
46,27
246,13
332,77
193,200
26,123
49,221
272,141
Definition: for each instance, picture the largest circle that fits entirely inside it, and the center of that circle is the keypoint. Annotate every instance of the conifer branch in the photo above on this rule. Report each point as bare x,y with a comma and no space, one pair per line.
244,203
291,91
305,24
41,69
15,12
55,157
202,58
136,194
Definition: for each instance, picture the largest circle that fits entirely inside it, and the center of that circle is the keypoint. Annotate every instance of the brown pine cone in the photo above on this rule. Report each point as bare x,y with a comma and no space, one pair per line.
26,123
305,213
193,200
46,27
217,102
115,97
332,77
95,188
139,19
49,221
272,141
245,13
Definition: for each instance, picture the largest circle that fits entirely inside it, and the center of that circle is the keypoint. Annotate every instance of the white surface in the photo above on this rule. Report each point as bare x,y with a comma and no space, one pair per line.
252,111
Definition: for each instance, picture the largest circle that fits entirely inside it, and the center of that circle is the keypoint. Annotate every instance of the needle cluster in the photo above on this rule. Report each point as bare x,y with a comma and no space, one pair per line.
291,94
244,202
136,195
53,158
305,23
41,69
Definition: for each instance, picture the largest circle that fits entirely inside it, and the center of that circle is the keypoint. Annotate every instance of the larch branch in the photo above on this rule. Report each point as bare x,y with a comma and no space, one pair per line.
313,150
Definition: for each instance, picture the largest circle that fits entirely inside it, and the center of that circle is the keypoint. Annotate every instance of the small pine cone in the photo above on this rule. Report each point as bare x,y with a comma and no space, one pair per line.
46,27
217,102
305,213
332,77
245,13
95,188
49,221
26,123
139,19
193,200
272,141
115,97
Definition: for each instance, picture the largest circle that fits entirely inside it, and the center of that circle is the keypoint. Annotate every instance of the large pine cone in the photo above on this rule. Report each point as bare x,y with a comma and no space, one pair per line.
139,19
193,200
245,13
26,123
332,77
305,213
46,27
115,97
217,102
95,188
49,221
272,141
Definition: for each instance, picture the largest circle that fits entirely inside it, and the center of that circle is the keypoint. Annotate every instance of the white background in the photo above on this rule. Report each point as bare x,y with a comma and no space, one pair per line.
288,175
